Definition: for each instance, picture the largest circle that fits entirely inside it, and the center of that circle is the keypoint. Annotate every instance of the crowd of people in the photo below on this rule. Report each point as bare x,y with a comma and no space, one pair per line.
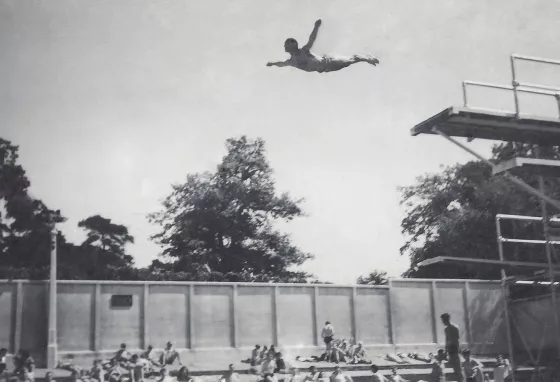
267,364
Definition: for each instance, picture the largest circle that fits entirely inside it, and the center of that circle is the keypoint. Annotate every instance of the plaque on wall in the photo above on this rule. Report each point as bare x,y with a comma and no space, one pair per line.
121,301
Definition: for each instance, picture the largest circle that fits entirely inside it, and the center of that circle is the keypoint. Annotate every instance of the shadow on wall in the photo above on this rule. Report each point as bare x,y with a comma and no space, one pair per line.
486,316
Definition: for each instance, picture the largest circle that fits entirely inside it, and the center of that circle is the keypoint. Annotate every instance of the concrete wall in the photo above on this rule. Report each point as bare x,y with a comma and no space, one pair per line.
404,314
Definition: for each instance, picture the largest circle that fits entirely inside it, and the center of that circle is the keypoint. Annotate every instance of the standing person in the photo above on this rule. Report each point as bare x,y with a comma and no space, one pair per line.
328,334
452,345
24,366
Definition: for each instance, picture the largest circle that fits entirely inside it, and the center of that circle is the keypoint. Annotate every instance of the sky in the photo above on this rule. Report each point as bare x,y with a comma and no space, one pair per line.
111,102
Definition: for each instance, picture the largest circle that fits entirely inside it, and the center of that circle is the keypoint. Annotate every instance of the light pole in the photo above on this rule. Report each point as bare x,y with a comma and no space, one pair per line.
52,343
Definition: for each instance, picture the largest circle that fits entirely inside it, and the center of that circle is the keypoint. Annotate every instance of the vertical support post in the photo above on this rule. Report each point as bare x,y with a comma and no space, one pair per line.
465,94
435,311
467,317
145,310
515,84
97,319
276,336
18,317
315,316
505,293
354,318
392,332
234,332
190,320
52,344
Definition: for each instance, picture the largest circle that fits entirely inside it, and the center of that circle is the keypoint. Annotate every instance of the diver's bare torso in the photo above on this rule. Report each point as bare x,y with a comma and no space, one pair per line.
307,61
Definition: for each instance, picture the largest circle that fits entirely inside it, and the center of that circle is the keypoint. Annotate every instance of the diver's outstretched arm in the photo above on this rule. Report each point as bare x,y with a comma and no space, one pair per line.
278,63
313,36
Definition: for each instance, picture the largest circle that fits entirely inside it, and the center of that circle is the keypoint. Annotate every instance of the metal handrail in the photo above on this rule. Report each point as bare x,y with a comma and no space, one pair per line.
517,87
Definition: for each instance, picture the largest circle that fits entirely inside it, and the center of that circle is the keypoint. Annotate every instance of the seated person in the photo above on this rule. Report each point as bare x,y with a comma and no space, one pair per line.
314,375
3,363
169,355
502,369
339,376
295,375
263,353
269,377
230,375
183,375
472,369
254,360
97,371
377,376
148,355
164,376
122,356
24,366
269,365
49,377
116,372
395,377
136,369
280,364
359,354
438,367
272,350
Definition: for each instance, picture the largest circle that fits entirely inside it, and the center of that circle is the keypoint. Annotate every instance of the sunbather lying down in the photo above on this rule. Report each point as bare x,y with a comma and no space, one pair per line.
303,59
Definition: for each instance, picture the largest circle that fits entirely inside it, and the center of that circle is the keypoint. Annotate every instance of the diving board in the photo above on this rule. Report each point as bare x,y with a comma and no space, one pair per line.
502,264
460,121
518,165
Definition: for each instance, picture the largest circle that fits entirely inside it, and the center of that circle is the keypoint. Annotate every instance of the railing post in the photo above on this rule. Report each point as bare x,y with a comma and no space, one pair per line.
515,84
467,317
465,94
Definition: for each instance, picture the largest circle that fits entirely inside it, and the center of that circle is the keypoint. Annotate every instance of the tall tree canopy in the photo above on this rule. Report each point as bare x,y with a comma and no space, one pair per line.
221,225
25,234
452,213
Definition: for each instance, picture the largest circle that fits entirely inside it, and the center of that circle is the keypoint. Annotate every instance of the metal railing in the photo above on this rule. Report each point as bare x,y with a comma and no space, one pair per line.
517,86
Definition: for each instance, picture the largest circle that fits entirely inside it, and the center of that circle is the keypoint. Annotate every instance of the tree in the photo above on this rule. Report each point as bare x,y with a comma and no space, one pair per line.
221,226
25,222
452,213
373,278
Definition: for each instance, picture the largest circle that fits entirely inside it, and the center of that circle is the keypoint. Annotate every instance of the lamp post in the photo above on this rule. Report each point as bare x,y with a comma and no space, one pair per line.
52,340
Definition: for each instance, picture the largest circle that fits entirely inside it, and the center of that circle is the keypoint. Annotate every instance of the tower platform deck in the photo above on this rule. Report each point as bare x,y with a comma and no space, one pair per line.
493,125
518,165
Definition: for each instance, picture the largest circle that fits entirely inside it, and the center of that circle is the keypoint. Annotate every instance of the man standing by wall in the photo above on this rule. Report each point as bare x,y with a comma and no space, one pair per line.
452,346
327,333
